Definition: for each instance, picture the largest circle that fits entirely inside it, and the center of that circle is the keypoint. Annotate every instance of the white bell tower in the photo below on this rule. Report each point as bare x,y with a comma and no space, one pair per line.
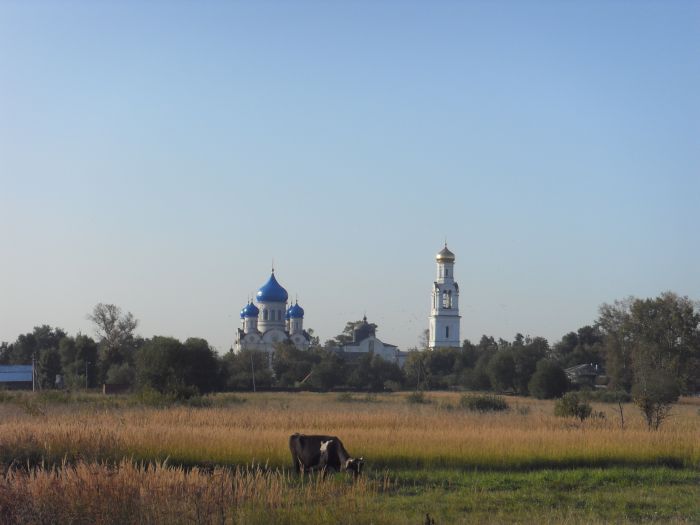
444,310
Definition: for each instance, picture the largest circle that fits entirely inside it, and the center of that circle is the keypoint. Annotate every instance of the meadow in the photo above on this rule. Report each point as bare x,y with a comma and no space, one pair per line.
227,461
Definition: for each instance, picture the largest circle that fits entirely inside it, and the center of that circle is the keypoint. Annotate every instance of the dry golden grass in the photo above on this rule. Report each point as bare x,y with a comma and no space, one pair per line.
388,432
92,493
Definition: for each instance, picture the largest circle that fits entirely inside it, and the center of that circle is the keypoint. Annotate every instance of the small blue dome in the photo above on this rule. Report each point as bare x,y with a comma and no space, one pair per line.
249,310
272,292
295,312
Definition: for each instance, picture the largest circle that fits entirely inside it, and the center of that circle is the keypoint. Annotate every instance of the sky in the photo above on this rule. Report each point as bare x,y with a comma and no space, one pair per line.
160,155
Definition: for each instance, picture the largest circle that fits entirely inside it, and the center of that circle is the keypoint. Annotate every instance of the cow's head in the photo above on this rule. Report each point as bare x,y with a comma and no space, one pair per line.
354,465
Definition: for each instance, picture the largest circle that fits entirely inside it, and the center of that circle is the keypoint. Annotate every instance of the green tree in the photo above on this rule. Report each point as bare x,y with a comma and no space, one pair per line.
33,344
526,354
5,352
501,370
240,369
159,364
329,372
48,367
661,332
548,381
291,365
200,367
78,356
371,372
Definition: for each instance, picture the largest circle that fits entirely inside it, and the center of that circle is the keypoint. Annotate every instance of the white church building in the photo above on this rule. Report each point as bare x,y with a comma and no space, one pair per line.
444,308
270,321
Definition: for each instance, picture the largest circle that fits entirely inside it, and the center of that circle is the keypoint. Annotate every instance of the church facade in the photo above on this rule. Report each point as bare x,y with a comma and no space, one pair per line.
444,320
270,320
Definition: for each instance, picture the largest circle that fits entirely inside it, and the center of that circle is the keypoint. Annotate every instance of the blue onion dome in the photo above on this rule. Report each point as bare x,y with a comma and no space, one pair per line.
272,292
295,312
249,310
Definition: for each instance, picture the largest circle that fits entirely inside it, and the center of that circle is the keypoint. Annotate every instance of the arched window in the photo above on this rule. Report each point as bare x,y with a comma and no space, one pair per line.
447,332
264,315
447,299
447,272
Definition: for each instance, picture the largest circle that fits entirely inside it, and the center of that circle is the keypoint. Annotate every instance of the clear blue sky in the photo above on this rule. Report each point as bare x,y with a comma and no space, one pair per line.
159,155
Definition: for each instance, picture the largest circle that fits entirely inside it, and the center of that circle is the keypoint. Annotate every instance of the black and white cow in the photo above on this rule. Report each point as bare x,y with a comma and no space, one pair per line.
325,453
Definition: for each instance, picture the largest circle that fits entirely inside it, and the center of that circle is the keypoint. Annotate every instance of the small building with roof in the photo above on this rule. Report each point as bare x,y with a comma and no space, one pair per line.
270,320
364,341
16,377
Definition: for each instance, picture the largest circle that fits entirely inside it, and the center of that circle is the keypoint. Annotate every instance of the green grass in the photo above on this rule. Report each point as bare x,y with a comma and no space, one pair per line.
617,495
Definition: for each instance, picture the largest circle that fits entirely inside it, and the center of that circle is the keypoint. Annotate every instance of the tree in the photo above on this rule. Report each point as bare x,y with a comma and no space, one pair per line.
78,357
240,369
662,333
526,354
292,365
654,390
32,345
49,366
584,346
5,352
548,381
329,372
501,370
200,367
117,340
158,364
371,372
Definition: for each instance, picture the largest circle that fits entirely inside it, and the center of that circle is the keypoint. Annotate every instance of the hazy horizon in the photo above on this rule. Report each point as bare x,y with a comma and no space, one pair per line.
160,156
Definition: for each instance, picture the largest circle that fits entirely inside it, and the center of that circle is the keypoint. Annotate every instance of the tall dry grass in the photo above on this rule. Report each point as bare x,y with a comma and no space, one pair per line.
388,432
90,493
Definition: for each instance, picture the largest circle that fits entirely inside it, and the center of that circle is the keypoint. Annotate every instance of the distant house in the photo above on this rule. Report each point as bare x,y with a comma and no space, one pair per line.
364,341
16,377
587,374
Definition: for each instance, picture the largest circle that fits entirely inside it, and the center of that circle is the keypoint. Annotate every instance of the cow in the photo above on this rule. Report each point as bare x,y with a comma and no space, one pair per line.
324,453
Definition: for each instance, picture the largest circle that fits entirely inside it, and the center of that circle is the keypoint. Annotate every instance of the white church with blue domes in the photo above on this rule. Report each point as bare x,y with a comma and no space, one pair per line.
270,321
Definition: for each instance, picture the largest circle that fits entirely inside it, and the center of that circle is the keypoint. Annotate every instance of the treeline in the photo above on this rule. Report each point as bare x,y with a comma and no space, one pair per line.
638,345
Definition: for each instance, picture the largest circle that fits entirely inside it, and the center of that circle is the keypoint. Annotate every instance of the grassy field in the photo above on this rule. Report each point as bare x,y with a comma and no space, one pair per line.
226,462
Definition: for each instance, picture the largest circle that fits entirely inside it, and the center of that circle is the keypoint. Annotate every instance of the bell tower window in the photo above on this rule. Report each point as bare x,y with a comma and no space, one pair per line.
447,299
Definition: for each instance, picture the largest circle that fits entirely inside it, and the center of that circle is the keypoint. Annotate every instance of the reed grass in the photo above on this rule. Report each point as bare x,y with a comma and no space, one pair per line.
93,493
389,434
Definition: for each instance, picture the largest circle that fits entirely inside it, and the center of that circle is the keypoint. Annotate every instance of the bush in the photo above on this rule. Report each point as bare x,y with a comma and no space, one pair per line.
548,381
417,397
654,394
572,405
610,396
484,403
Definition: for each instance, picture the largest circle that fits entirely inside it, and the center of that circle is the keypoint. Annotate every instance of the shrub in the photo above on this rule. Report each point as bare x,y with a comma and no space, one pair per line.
610,396
654,394
417,397
572,405
484,403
